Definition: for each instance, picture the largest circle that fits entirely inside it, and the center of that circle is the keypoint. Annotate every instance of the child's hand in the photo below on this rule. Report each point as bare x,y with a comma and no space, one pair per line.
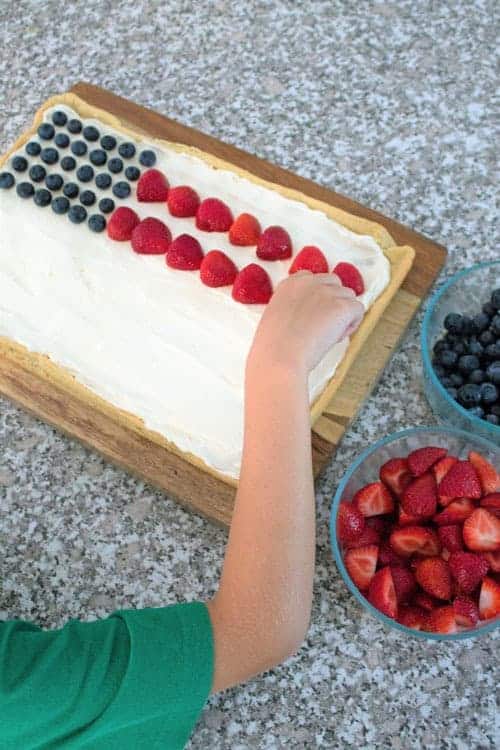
306,316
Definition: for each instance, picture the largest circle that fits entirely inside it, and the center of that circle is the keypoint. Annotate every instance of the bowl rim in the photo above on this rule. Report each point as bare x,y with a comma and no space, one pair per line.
476,422
422,634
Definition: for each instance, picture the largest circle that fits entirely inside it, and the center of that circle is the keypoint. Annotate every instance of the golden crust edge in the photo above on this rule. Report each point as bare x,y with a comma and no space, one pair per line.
400,259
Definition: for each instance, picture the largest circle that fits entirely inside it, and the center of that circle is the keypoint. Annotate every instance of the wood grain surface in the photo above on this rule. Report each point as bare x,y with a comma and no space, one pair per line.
154,462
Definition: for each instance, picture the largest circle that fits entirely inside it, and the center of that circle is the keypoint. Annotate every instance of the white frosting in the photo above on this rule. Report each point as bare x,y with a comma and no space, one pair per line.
152,340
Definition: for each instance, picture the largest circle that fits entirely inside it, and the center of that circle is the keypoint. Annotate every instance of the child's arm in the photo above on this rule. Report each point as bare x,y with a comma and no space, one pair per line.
261,611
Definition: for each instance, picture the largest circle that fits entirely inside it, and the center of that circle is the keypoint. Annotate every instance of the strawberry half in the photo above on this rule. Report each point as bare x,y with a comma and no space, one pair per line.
466,611
412,617
252,285
183,201
152,187
489,599
482,531
460,481
368,536
405,519
274,244
361,564
424,601
433,575
382,594
214,216
122,223
493,559
151,237
310,258
245,231
421,460
350,277
413,539
420,497
395,475
488,476
387,556
451,537
184,253
404,582
217,269
468,569
442,620
442,467
350,522
492,503
374,499
456,512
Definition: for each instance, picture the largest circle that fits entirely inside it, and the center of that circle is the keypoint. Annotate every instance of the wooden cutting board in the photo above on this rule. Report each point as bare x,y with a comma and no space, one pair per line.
185,482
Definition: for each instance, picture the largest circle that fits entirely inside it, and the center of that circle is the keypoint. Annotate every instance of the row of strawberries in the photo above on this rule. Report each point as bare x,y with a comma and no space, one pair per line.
430,568
250,285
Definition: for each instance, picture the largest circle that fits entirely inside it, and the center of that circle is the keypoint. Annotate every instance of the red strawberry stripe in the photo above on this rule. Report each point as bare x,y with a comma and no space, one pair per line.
213,216
184,253
311,259
217,269
350,277
274,244
122,223
183,201
252,285
151,237
245,230
152,187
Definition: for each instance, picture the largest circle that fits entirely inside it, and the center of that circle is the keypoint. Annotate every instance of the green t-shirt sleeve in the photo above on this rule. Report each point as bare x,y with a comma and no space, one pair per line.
137,679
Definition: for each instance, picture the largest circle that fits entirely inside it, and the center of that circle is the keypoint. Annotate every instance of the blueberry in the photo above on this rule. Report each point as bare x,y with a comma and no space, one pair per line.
87,198
476,411
460,348
493,372
68,163
448,358
98,157
108,142
54,181
147,158
495,325
106,205
49,155
467,363
475,347
481,322
492,419
60,205
454,323
6,180
19,164
77,214
495,410
492,351
438,369
103,181
75,126
127,150
90,133
469,394
132,173
456,379
33,148
489,394
468,326
42,197
85,173
121,189
79,148
59,118
488,309
452,392
37,173
97,223
439,346
495,299
451,340
115,165
62,140
46,131
71,190
486,338
446,381
25,190
477,377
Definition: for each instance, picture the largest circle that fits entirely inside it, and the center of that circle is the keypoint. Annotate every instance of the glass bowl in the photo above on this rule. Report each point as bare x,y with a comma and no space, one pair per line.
464,293
366,469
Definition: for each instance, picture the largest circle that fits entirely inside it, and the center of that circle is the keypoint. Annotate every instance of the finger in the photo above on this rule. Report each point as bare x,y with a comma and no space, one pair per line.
343,292
330,279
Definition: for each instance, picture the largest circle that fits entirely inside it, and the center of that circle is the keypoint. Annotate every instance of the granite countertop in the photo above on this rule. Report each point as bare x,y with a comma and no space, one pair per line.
391,103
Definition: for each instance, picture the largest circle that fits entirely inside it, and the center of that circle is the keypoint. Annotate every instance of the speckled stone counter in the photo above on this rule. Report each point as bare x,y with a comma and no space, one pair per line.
390,103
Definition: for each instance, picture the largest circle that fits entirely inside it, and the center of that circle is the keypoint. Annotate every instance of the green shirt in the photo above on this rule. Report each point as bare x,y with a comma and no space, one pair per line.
137,679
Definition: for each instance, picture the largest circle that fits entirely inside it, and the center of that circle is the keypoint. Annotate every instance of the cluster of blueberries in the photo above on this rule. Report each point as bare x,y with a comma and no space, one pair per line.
467,360
89,142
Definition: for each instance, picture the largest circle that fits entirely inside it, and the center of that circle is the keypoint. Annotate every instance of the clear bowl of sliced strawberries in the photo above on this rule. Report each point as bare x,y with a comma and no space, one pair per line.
415,531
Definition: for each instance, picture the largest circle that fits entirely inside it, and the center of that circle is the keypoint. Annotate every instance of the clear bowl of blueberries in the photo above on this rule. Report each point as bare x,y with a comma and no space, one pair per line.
460,342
